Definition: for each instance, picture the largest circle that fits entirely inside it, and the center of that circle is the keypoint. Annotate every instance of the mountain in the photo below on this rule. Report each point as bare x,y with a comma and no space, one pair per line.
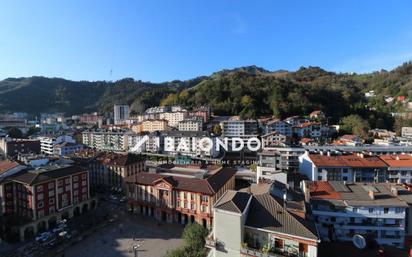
39,94
247,91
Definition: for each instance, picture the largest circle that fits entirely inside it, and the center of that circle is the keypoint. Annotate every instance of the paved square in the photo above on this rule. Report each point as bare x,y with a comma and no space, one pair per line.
116,239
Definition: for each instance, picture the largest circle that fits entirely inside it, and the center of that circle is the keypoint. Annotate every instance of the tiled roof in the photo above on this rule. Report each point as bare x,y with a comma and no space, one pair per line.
354,194
32,177
209,185
349,160
6,165
322,190
233,201
265,212
400,161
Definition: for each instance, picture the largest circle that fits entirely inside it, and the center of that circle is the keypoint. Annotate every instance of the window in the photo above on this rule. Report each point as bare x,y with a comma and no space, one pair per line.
60,182
84,176
67,180
51,201
75,178
75,185
51,193
398,210
370,210
385,210
40,204
50,185
39,188
205,198
40,196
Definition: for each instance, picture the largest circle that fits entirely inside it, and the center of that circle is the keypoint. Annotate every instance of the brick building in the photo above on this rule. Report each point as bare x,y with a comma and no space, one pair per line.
180,194
45,195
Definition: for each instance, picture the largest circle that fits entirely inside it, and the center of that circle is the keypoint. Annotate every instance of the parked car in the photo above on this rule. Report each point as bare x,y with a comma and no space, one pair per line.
43,237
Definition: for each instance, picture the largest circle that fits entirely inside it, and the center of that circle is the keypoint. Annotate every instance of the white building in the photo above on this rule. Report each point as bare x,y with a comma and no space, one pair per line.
279,126
244,224
107,140
47,143
343,210
121,113
407,132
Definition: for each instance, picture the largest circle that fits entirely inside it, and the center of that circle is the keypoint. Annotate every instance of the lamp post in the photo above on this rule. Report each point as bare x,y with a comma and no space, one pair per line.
136,249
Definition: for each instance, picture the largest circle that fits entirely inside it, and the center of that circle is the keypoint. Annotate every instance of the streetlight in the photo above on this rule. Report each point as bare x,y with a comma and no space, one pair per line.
135,250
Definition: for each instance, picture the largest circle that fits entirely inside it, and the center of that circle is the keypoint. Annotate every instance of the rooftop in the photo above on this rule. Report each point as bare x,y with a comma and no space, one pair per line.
347,160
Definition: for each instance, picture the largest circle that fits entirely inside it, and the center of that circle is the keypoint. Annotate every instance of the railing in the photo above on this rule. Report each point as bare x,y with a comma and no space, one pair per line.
250,252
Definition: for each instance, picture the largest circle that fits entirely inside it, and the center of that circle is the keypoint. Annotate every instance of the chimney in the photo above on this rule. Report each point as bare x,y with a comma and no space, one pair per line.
397,157
328,153
394,190
321,152
371,195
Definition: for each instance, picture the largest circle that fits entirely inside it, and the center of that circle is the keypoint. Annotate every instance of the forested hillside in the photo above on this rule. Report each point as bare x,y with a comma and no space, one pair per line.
247,91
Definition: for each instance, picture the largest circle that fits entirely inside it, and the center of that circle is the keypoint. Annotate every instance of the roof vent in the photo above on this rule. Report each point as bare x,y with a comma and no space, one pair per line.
372,194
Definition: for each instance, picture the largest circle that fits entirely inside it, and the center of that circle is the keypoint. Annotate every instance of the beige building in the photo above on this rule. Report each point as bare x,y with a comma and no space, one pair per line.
174,118
154,125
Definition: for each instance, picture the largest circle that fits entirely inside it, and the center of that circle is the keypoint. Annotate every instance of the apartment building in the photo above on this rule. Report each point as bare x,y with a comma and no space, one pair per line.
280,126
105,140
42,196
274,139
47,143
344,209
12,147
180,194
121,113
311,129
399,168
154,125
203,112
191,124
109,170
66,148
343,167
406,132
173,118
269,167
248,224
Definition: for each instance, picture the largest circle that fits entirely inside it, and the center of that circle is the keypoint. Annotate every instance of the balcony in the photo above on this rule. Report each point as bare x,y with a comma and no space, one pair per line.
251,252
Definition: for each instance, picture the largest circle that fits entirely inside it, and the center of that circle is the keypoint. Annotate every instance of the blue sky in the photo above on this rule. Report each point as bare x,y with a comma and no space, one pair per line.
165,40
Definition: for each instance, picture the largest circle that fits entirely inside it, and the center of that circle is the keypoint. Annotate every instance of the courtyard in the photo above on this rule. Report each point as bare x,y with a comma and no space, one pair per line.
119,237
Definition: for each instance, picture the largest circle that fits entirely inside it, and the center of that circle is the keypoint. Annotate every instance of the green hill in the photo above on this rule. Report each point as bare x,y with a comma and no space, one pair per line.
247,91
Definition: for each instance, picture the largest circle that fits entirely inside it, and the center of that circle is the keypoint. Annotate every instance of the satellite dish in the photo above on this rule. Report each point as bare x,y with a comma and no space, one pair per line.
359,241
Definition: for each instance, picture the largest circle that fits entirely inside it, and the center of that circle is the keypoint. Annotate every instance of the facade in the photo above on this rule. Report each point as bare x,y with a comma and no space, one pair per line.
310,129
203,112
67,148
43,196
259,225
90,118
121,113
105,140
13,147
406,132
154,125
343,210
343,167
289,158
47,143
269,167
191,124
399,168
274,139
173,118
180,194
109,170
279,126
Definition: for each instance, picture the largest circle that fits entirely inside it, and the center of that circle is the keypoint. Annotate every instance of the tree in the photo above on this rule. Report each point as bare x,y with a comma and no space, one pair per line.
32,130
15,133
194,242
217,130
354,124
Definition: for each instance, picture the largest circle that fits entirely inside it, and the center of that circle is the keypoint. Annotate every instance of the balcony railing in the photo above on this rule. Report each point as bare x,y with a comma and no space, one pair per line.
247,251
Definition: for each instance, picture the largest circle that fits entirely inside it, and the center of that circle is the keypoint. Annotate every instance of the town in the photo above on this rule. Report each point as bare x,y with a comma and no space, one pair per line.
290,187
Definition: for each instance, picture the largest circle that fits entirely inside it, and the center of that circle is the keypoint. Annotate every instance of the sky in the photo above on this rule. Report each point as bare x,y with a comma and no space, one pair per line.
159,41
